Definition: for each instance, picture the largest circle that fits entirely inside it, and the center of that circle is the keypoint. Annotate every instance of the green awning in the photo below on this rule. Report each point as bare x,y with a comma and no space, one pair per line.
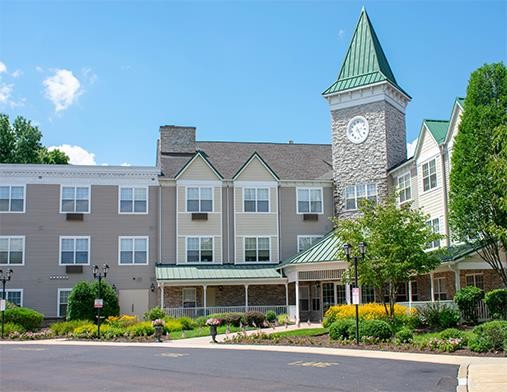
324,250
166,272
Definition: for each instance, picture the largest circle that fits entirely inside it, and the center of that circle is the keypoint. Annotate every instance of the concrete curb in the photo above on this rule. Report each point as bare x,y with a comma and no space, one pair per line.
463,378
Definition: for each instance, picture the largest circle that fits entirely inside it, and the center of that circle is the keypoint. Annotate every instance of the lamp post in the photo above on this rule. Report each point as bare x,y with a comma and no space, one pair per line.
5,276
97,274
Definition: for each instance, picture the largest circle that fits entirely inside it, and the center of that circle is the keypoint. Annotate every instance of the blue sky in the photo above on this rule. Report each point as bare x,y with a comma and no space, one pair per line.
105,75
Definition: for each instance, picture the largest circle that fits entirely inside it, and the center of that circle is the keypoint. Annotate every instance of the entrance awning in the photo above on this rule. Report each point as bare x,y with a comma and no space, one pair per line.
324,251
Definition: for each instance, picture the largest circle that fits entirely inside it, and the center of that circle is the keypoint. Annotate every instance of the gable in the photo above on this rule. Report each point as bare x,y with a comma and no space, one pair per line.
255,170
427,146
197,169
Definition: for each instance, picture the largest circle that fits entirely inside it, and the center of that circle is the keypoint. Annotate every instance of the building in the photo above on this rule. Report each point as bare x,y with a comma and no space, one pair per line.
223,226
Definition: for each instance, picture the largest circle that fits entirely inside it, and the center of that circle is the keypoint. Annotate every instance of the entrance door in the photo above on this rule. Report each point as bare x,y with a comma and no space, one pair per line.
328,298
134,302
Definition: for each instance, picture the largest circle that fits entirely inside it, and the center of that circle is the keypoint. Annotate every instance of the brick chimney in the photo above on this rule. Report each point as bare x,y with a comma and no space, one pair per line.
175,140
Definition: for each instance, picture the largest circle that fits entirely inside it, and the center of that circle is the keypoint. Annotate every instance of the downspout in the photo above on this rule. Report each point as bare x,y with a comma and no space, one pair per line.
446,195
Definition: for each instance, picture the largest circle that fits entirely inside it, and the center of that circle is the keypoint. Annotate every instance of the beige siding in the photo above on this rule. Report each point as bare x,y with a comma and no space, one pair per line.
217,199
256,224
255,171
198,170
212,226
429,146
168,226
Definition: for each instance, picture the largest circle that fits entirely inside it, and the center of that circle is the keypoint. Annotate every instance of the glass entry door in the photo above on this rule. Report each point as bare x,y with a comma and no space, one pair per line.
327,296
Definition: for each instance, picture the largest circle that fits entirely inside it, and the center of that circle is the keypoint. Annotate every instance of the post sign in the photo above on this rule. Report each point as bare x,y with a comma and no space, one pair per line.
2,305
356,296
99,303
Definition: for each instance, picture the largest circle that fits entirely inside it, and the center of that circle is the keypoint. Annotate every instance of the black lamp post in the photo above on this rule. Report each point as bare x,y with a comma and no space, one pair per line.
5,276
97,274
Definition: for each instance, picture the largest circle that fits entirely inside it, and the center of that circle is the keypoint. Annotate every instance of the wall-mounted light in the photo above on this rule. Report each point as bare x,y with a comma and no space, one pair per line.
152,287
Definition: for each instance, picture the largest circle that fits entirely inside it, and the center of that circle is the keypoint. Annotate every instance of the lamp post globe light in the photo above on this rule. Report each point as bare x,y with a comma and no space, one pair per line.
362,250
99,302
5,276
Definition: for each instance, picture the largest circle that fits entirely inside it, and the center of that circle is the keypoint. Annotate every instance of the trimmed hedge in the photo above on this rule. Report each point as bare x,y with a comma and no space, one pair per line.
342,329
29,319
378,329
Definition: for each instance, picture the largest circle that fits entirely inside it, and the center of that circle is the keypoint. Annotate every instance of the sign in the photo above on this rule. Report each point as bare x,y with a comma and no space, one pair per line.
99,303
2,305
356,296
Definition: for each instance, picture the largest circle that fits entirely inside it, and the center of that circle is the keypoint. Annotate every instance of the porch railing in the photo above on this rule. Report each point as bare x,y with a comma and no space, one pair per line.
482,309
201,311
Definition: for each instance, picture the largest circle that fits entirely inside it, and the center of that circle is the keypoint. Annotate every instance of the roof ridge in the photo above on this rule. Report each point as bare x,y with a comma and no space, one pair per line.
429,119
277,143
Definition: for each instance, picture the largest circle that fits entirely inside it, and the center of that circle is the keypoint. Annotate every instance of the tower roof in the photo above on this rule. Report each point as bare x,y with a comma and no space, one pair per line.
365,62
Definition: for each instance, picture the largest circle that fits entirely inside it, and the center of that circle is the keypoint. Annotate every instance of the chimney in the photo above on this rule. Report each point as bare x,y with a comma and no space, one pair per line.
175,140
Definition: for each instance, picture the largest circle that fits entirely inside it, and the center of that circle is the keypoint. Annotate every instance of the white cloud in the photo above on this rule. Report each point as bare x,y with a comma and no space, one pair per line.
411,148
89,76
3,67
341,33
78,155
126,164
62,89
5,93
17,73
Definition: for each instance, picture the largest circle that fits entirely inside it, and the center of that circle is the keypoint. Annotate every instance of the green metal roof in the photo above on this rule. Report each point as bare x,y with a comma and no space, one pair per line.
215,272
365,62
438,129
461,101
323,251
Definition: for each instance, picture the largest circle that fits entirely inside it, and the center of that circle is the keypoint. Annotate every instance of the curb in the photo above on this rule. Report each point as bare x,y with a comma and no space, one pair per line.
463,378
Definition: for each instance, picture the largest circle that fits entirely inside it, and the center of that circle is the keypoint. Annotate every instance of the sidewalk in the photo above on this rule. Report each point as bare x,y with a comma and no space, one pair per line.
487,377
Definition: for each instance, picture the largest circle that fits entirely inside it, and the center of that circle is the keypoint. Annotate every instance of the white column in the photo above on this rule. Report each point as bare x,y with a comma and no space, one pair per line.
246,297
162,295
204,289
297,300
432,286
347,294
409,294
457,279
287,296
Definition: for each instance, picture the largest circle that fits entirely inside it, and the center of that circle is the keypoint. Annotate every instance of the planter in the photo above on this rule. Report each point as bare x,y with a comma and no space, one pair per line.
213,332
159,330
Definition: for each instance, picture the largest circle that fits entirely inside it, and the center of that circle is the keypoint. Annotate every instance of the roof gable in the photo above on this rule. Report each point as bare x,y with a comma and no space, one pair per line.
197,168
457,109
438,129
255,168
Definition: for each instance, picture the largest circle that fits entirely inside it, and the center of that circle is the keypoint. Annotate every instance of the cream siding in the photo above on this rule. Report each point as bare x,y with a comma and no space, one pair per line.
198,170
256,224
212,226
255,171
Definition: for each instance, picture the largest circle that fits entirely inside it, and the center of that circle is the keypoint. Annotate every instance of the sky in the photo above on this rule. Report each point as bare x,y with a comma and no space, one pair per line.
99,78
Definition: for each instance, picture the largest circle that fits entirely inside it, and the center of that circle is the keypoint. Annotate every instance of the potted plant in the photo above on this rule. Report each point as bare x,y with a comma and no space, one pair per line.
158,324
213,324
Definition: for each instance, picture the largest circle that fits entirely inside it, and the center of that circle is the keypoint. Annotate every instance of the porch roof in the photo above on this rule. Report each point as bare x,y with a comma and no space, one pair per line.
165,272
322,251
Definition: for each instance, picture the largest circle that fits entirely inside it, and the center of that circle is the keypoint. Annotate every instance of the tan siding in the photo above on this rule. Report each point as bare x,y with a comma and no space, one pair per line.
181,198
256,224
217,249
182,248
238,199
273,199
255,171
240,256
198,170
168,234
186,226
274,249
217,199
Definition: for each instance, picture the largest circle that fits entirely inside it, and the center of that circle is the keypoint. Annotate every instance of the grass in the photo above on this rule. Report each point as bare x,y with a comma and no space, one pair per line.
303,332
426,336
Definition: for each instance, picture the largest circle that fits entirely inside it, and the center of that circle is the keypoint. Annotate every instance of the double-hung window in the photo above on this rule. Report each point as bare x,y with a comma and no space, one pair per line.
14,296
439,289
256,200
12,198
355,194
133,200
429,170
63,300
404,188
435,226
199,249
133,250
75,199
74,250
189,297
12,250
309,200
476,280
257,249
306,241
199,199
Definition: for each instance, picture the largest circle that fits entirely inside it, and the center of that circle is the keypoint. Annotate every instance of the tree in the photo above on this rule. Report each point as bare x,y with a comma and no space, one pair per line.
396,241
21,143
82,297
478,211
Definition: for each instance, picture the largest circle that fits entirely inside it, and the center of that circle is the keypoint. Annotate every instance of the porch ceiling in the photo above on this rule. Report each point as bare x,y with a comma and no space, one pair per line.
172,273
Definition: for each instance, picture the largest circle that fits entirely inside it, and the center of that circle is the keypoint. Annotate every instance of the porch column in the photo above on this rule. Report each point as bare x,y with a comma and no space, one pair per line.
297,301
204,289
287,297
246,297
457,279
162,295
432,288
347,294
409,294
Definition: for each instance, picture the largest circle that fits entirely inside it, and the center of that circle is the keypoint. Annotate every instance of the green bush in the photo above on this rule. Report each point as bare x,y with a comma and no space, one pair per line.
11,327
154,314
141,329
254,318
187,323
201,321
173,325
270,316
438,316
404,335
378,329
489,336
233,318
453,333
496,301
467,300
63,328
82,297
112,331
342,329
28,318
283,318
86,331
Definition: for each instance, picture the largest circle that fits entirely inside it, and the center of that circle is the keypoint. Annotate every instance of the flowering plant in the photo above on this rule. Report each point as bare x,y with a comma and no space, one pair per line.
158,323
213,321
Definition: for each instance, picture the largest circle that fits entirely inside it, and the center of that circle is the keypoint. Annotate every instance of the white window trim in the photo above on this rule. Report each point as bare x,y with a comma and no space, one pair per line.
313,236
120,187
76,186
8,250
183,295
15,291
212,250
256,199
475,274
439,232
58,300
212,198
80,237
427,161
24,199
133,238
355,194
270,261
438,283
409,187
309,201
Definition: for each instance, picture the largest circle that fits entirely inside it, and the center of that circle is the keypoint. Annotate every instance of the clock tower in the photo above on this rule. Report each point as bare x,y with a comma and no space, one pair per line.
368,121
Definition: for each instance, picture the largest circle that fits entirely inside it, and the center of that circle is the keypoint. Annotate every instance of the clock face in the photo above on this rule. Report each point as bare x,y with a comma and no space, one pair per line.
357,129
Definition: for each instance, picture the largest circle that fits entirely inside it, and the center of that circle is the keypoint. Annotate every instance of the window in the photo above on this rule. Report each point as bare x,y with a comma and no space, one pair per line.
199,199
327,295
367,294
476,280
189,297
74,250
75,199
404,188
199,249
15,296
12,250
309,200
133,200
306,241
133,250
429,175
304,304
439,289
341,294
256,199
12,198
435,226
354,194
63,300
315,297
257,249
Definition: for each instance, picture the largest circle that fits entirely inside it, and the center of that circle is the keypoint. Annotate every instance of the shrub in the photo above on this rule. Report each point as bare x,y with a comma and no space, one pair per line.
87,331
11,327
173,325
496,301
108,331
187,323
270,316
141,329
404,335
342,329
378,329
489,336
82,297
233,319
467,300
28,318
283,318
446,345
154,314
123,321
371,311
453,333
439,316
63,328
200,321
254,318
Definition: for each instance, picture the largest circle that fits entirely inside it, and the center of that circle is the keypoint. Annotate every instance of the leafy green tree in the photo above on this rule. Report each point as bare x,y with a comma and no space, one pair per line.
478,209
396,241
20,142
82,298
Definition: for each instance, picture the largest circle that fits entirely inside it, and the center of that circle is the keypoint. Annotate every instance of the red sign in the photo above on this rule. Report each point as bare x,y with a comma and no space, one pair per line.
99,303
